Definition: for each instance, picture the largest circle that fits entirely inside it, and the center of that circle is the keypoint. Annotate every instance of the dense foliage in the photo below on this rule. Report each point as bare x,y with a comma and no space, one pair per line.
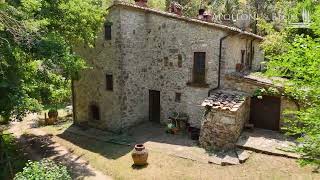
12,159
44,169
37,62
295,54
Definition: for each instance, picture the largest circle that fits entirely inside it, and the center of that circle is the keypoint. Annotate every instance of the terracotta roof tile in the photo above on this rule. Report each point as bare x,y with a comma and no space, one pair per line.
225,100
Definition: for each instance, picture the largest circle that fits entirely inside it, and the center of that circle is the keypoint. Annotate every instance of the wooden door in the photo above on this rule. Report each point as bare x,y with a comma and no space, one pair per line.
265,112
154,106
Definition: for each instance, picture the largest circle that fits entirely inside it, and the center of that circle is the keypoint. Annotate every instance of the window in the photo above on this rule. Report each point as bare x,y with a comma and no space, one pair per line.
109,82
178,97
107,31
199,68
166,61
95,112
242,56
179,60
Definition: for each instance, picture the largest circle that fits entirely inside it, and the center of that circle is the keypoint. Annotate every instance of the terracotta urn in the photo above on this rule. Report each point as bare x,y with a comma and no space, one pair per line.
140,155
53,116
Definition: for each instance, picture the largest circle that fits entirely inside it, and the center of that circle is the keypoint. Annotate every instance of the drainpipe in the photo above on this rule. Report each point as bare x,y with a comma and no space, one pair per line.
251,54
219,66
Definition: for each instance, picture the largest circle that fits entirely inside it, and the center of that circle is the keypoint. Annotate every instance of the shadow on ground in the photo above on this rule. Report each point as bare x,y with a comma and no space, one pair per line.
138,167
45,147
114,146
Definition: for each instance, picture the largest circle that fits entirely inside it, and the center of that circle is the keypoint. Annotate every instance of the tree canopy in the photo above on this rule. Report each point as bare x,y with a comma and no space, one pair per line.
294,53
36,57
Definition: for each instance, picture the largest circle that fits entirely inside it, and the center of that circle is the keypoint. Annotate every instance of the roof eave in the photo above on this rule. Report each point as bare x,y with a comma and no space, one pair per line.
188,19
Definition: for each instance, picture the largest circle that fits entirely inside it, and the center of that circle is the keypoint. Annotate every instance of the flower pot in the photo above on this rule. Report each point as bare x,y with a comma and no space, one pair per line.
53,116
139,155
239,67
175,130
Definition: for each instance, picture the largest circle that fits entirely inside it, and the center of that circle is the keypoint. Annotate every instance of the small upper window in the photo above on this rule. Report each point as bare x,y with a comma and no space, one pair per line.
178,97
179,60
109,82
107,31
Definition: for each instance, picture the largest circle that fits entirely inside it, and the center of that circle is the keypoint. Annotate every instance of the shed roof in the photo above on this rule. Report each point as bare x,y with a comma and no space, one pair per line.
187,19
225,100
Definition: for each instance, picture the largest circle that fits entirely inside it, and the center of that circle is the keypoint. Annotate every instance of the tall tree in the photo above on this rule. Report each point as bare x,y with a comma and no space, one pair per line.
36,57
294,54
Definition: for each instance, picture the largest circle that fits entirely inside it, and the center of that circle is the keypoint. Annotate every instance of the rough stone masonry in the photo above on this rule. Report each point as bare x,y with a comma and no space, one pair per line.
227,112
148,50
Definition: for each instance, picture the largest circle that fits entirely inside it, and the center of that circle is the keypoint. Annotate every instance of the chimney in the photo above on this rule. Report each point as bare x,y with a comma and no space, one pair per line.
204,15
175,8
142,3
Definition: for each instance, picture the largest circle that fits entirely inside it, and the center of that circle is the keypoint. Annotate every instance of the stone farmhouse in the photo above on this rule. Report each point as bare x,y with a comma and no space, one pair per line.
147,64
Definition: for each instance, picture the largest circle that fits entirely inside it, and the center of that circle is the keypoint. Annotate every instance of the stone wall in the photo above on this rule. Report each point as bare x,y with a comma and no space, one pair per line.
286,105
153,46
222,128
143,55
91,86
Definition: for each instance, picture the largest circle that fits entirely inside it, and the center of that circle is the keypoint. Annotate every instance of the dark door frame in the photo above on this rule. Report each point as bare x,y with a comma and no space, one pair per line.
154,106
265,113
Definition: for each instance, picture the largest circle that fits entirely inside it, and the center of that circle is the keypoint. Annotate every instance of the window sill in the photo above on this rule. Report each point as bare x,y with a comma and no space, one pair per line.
199,85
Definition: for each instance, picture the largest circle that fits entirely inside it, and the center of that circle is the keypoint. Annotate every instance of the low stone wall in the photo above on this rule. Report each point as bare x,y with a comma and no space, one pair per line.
222,128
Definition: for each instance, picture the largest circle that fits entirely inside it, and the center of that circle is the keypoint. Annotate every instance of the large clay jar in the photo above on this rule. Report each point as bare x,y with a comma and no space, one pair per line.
53,116
139,155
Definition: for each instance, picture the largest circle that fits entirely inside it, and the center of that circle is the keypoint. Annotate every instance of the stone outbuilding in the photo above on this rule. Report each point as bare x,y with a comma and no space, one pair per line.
268,111
228,111
226,114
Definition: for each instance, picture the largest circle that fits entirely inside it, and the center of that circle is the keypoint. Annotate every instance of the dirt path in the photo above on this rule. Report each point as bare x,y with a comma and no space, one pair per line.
39,144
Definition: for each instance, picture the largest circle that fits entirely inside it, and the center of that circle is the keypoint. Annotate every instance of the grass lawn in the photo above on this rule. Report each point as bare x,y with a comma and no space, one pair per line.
115,160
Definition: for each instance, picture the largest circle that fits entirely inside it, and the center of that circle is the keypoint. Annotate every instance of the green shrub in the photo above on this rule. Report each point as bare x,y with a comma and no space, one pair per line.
12,158
44,169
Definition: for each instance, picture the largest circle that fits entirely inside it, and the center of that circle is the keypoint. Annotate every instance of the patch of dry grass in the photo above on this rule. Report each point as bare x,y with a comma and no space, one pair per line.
115,160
